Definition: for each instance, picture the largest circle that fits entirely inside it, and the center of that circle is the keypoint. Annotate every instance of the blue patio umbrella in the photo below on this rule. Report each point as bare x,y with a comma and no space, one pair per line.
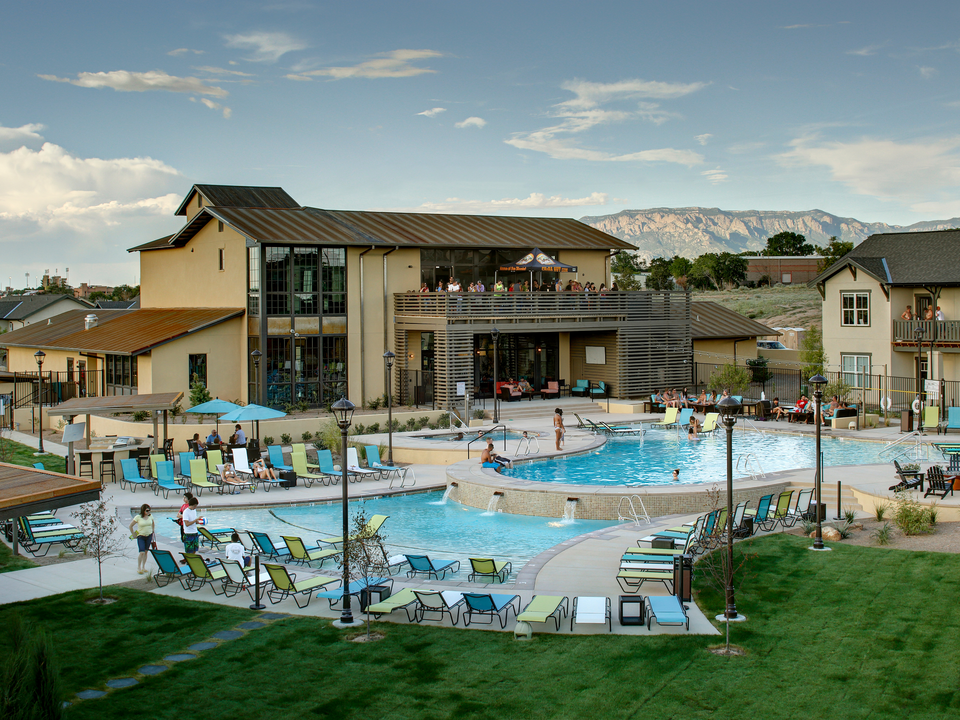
252,413
214,407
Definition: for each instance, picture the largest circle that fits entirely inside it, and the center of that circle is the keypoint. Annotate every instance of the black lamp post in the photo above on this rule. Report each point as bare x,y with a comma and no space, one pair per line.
343,412
818,381
729,407
918,333
256,355
40,355
388,360
495,334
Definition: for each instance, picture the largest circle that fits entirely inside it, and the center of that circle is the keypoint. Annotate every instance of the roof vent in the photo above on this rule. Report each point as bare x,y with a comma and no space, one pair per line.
90,321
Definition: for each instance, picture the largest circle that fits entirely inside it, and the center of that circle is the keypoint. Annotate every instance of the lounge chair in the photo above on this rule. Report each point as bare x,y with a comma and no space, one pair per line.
930,419
909,479
952,422
299,461
303,555
353,466
167,568
354,588
709,423
285,584
241,463
669,418
760,514
214,538
668,552
202,574
38,466
166,483
185,459
302,448
591,611
778,513
938,483
275,453
801,509
267,546
545,607
373,524
237,579
581,423
403,599
130,475
489,568
441,603
621,429
632,580
233,484
214,458
154,459
373,462
580,388
325,458
666,611
683,419
198,477
386,564
32,540
491,606
423,565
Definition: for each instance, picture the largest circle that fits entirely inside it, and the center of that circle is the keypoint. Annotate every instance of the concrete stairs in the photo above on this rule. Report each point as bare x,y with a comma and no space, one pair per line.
543,409
828,495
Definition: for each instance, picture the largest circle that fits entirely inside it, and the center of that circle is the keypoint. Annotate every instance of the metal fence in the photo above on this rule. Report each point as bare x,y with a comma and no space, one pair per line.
57,387
416,388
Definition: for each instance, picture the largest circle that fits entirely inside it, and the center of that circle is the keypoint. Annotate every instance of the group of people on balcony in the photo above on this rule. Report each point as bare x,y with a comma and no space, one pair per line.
928,314
454,286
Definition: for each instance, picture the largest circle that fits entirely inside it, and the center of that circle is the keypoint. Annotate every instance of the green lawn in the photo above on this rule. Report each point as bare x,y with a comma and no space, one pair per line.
855,633
9,561
17,454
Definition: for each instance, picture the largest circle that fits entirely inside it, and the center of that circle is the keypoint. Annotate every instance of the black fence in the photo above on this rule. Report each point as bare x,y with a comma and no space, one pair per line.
57,387
415,389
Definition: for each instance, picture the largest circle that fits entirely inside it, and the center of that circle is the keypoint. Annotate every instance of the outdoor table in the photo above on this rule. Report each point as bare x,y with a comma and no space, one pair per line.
637,617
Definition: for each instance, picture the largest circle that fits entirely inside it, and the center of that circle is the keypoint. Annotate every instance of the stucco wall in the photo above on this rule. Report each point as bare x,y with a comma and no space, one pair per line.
223,345
591,266
874,339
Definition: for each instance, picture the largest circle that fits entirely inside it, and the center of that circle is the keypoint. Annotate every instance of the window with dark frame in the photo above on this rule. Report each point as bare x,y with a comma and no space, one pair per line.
220,256
198,366
855,308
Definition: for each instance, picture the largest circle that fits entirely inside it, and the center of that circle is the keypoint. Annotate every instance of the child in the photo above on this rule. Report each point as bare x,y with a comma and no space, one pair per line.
236,551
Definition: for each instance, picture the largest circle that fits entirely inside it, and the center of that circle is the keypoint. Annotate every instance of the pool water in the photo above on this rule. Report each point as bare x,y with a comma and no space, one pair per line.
651,461
419,524
469,435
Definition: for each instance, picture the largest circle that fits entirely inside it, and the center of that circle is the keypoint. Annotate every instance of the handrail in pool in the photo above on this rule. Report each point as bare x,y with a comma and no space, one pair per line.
484,433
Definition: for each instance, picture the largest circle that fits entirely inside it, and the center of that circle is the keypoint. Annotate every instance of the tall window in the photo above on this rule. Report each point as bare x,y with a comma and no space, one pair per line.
121,375
253,281
855,308
856,370
198,367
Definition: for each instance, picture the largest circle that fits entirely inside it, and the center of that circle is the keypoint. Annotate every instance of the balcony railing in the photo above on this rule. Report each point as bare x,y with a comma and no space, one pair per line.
943,331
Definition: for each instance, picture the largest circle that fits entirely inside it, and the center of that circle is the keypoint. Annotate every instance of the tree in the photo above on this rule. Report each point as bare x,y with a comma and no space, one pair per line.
812,355
788,243
734,378
54,289
198,392
834,250
761,373
624,269
364,552
700,275
680,269
99,527
659,277
729,269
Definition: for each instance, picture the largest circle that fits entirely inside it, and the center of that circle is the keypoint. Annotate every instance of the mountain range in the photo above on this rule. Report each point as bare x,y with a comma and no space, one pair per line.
693,231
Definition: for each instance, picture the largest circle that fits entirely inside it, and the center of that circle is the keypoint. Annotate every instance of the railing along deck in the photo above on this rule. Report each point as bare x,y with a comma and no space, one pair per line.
942,331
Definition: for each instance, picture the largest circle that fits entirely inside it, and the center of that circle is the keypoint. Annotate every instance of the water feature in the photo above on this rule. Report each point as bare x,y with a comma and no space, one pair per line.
569,511
492,505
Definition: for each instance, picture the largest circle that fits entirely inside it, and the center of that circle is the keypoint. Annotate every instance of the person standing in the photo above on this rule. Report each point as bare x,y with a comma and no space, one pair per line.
907,314
143,527
940,316
558,426
191,527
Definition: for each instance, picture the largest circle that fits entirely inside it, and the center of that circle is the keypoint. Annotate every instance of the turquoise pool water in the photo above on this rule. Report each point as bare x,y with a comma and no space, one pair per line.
628,460
469,435
419,524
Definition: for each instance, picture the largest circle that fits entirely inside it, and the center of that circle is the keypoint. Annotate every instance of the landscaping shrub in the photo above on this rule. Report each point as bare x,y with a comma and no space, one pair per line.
880,510
140,416
910,516
268,440
285,438
882,534
306,436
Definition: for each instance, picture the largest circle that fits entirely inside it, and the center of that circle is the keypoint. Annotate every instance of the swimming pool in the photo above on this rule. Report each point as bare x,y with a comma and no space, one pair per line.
628,460
468,435
419,524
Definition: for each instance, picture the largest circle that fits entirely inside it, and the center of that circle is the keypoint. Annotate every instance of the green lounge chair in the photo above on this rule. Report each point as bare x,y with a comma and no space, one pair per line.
285,584
154,459
130,475
167,568
666,611
423,565
779,512
709,423
303,555
632,580
214,458
302,448
198,477
33,540
491,606
490,568
669,418
930,419
201,574
215,538
373,524
403,599
299,461
440,603
545,607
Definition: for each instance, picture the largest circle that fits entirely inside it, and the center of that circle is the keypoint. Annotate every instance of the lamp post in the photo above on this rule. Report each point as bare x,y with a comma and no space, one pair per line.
818,381
388,360
343,412
495,334
256,355
729,407
40,355
918,333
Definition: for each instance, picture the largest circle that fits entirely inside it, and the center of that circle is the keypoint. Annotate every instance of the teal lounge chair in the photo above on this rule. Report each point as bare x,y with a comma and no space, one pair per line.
38,466
167,568
325,458
952,422
130,475
355,588
489,568
666,611
373,462
275,455
544,607
166,482
267,546
285,585
490,606
423,565
185,458
32,540
683,420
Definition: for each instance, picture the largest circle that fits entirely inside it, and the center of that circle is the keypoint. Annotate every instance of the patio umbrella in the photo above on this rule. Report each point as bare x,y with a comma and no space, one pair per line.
214,407
252,413
536,259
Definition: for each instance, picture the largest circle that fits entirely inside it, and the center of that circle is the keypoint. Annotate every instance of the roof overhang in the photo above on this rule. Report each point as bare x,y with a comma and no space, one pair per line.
116,403
24,490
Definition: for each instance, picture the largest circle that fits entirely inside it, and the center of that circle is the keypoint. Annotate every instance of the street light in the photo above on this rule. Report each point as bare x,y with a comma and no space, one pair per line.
818,381
729,407
918,333
343,412
40,355
388,360
256,355
495,334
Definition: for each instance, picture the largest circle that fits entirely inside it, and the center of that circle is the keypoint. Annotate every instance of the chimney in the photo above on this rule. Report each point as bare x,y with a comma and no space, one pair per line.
90,321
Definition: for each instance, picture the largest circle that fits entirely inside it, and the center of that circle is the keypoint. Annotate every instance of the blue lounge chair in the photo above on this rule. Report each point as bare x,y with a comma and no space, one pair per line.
130,475
683,420
267,546
33,539
168,569
490,606
953,420
275,453
373,461
166,482
325,458
185,458
423,565
666,611
355,588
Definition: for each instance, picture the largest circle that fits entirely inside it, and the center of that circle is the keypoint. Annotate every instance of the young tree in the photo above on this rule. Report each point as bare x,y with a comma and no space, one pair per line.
834,250
659,277
734,378
812,354
364,551
680,269
624,269
198,392
788,243
101,538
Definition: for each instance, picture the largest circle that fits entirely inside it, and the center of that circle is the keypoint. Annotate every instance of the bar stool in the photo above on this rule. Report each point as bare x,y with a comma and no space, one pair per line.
143,460
107,467
86,461
168,448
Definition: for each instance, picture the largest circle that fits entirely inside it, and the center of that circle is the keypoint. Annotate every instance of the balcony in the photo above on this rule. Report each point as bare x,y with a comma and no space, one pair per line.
945,333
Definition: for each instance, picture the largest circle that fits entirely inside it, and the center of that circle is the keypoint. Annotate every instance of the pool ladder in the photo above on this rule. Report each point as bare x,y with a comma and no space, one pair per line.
627,512
526,445
748,461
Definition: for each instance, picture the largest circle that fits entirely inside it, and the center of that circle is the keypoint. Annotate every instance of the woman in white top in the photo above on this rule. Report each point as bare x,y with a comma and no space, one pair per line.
142,528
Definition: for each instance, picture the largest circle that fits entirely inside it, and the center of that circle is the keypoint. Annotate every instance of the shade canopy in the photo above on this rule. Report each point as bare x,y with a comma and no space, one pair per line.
538,260
213,407
251,412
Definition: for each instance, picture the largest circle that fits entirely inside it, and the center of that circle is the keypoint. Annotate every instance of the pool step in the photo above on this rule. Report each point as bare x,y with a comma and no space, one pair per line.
543,409
828,495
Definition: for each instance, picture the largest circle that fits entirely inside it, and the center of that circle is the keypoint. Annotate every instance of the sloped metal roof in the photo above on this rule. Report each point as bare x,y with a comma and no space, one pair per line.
107,404
240,196
710,320
120,332
20,307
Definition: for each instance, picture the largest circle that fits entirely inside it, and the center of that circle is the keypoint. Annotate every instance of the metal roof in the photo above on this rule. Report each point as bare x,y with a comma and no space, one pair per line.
712,321
20,307
26,490
120,332
239,196
116,403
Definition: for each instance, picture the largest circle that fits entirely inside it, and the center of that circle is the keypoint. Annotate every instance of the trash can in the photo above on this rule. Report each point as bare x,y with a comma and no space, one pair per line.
906,421
662,543
682,577
811,513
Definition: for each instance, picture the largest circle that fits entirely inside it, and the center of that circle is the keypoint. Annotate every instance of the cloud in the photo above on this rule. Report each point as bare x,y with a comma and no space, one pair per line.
531,202
266,46
124,81
184,51
472,121
917,173
432,112
227,112
394,64
16,137
927,72
745,147
591,94
714,176
221,71
865,51
702,139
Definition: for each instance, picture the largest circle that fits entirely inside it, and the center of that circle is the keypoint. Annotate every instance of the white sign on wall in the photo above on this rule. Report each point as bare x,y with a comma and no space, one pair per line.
461,389
932,388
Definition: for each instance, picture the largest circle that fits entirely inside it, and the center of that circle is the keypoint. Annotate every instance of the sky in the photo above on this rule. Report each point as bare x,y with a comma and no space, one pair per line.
110,112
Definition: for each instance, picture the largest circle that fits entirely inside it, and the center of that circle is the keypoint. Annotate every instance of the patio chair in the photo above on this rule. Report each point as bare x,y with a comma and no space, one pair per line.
167,568
198,477
267,546
580,388
709,423
355,588
373,524
241,463
551,390
760,514
202,574
602,390
800,509
237,579
130,475
302,448
301,554
952,422
669,552
666,611
489,568
166,482
185,459
285,585
631,580
168,449
373,462
777,512
938,483
386,564
299,461
154,459
325,458
683,419
33,540
621,429
509,393
214,538
544,607
214,458
233,484
909,479
490,606
669,418
441,603
403,599
930,419
581,423
423,565
275,454
591,611
353,466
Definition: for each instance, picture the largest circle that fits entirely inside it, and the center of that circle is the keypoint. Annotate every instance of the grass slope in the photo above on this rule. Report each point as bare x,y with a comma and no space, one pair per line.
17,454
10,562
854,633
787,306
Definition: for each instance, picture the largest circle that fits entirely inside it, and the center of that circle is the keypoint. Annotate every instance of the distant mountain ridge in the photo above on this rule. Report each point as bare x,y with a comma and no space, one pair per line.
693,231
